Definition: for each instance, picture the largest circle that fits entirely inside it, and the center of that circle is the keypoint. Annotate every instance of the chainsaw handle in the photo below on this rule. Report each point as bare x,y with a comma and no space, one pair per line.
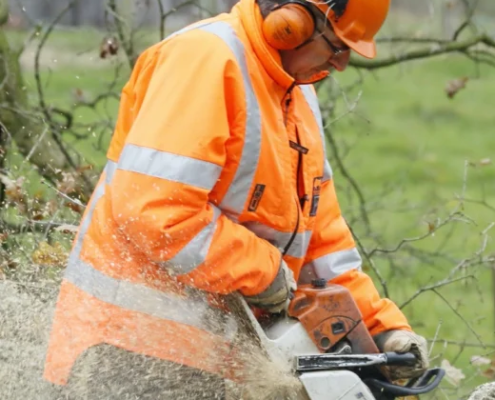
400,358
422,386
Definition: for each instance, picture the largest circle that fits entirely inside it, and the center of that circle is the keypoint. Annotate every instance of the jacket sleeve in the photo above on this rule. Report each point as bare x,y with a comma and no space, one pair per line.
332,255
190,100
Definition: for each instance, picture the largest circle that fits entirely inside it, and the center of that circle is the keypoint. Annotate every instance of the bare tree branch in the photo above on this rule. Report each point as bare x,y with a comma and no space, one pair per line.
336,156
416,54
463,344
468,325
371,263
39,86
432,229
127,42
439,284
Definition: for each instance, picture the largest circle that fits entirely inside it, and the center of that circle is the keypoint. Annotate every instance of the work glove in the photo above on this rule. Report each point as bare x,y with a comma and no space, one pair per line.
276,297
404,342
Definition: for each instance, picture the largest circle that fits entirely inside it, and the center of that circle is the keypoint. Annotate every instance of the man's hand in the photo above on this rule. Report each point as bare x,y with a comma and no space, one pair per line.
404,342
276,297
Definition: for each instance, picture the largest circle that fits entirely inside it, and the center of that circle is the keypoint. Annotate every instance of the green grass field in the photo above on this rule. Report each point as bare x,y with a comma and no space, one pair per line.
406,144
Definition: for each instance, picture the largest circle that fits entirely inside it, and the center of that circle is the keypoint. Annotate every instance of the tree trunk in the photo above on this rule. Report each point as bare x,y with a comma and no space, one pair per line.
23,125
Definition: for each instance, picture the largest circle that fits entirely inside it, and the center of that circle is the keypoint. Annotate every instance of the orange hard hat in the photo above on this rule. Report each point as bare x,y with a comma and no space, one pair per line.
356,22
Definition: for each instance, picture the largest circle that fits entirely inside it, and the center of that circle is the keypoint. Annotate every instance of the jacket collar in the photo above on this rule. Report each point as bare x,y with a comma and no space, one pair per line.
269,57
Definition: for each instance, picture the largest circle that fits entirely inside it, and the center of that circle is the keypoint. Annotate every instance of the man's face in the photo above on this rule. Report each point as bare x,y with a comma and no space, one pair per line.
315,59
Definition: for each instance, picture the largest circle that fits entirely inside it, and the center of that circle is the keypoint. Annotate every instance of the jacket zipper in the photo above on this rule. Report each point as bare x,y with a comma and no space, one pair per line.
298,170
286,249
287,101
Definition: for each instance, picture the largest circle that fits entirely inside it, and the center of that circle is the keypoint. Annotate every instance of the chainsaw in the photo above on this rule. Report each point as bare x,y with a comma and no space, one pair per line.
322,340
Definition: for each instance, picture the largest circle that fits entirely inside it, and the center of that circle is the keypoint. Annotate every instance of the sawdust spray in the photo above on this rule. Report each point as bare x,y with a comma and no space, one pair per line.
25,316
26,311
263,379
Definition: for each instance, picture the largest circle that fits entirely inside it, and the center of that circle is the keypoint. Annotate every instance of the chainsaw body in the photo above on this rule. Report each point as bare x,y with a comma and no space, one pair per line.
324,341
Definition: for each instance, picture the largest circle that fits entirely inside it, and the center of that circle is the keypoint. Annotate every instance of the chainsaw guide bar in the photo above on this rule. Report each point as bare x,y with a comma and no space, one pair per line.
327,362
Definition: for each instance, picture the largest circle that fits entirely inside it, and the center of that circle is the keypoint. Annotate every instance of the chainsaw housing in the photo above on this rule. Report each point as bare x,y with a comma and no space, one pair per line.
324,341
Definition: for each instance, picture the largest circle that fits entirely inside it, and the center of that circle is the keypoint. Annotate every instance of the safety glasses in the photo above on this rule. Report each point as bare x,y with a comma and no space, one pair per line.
326,32
335,49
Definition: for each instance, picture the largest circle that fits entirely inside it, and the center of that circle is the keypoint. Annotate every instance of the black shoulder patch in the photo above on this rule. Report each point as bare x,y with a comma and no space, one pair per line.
256,197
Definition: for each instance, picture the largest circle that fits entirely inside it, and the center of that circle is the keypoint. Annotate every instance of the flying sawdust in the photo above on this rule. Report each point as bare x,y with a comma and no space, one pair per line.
25,320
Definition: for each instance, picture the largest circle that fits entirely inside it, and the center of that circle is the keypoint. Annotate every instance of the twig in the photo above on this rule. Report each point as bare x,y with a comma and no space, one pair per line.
459,315
93,103
476,255
162,19
41,96
6,72
435,337
119,21
365,254
400,39
69,118
464,344
480,202
40,139
185,3
451,47
464,180
434,286
362,202
460,29
450,218
470,9
71,200
36,226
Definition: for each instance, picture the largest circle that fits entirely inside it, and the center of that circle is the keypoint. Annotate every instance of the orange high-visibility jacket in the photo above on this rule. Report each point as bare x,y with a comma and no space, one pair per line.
216,170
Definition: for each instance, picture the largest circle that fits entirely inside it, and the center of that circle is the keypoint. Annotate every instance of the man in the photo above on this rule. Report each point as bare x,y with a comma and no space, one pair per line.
216,182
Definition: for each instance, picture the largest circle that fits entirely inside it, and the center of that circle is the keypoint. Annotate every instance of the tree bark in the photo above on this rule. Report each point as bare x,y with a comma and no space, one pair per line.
19,121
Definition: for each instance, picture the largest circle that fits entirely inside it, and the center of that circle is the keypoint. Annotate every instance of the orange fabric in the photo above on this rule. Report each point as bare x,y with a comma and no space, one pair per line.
379,314
332,234
97,322
186,100
174,208
331,231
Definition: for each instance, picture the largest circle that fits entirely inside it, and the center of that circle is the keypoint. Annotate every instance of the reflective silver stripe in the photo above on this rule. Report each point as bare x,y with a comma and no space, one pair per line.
237,194
312,101
330,265
299,246
195,251
98,193
327,171
141,298
169,166
110,169
131,296
236,197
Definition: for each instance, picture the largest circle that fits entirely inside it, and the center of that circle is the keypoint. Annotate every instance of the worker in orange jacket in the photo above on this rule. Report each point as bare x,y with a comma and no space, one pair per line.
217,182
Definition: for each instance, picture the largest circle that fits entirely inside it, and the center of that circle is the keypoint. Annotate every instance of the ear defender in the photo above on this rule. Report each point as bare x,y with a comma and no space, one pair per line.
288,26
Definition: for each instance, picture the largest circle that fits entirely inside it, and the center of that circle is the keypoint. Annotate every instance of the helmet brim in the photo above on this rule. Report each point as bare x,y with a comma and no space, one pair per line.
364,48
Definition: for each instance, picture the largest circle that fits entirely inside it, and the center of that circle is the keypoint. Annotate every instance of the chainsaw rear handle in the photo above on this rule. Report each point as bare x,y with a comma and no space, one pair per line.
401,359
426,383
